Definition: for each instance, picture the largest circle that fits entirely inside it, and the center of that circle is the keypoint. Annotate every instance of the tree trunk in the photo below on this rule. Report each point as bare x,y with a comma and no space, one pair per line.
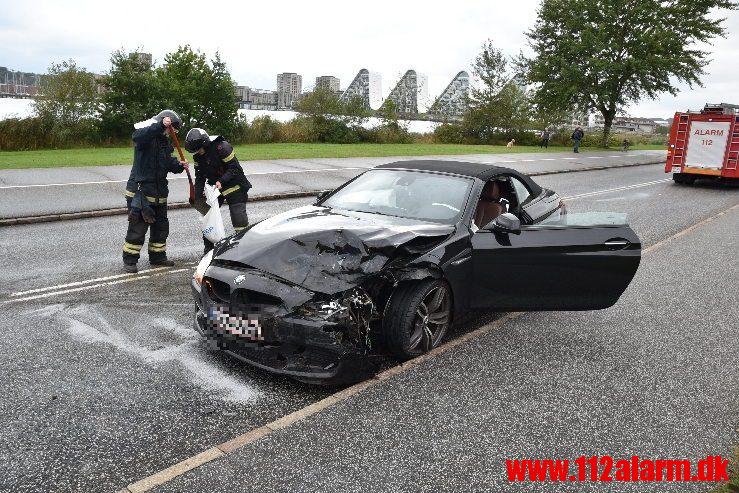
607,124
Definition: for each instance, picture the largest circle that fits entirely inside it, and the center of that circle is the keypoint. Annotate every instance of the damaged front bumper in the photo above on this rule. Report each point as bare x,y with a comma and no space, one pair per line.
283,328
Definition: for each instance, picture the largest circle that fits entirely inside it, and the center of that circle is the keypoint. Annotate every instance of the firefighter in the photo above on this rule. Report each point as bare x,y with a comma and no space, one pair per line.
215,163
147,190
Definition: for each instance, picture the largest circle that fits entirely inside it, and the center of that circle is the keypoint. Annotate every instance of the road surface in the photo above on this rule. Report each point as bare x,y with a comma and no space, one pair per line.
105,383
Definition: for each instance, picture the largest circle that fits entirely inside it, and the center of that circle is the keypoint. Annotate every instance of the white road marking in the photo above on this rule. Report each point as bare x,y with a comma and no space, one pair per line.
311,170
627,187
44,185
80,283
58,292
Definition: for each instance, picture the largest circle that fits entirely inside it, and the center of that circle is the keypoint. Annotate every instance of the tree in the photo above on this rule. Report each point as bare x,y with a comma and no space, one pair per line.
320,101
500,103
201,93
69,95
607,54
129,95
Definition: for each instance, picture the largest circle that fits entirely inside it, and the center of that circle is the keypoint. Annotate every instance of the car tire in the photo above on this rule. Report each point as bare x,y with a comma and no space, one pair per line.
417,318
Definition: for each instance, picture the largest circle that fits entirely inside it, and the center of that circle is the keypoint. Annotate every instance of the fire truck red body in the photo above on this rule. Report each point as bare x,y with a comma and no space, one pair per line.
704,144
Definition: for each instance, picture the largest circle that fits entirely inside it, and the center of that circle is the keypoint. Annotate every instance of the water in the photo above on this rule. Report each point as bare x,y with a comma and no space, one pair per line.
22,108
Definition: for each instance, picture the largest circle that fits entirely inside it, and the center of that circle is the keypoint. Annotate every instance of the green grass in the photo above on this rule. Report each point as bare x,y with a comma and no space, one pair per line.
105,156
733,484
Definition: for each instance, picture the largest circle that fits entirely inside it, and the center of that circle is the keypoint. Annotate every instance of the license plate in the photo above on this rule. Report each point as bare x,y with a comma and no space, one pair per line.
246,327
676,169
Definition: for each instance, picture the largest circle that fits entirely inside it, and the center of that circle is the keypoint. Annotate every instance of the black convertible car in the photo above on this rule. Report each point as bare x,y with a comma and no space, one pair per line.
386,262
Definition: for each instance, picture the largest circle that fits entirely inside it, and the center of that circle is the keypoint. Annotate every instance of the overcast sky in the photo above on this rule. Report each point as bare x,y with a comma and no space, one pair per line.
259,39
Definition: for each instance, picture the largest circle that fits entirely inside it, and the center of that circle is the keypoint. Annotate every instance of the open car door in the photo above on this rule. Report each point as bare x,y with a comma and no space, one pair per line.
574,262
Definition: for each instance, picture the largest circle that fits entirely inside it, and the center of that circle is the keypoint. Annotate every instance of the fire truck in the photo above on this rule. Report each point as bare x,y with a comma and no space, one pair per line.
704,144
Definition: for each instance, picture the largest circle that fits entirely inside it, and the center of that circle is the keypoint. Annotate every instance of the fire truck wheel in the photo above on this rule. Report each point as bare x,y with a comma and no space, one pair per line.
683,178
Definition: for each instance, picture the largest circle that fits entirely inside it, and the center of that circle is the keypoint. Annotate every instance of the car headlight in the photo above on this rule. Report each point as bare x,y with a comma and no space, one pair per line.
202,267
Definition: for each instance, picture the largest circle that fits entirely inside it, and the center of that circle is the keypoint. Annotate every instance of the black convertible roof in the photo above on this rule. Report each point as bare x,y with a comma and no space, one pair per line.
476,170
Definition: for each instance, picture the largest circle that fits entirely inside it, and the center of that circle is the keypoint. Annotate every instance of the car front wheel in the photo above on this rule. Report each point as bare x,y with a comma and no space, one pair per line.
417,318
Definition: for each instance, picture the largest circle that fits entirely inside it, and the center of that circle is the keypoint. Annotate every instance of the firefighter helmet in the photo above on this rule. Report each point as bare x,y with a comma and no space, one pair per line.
176,120
196,138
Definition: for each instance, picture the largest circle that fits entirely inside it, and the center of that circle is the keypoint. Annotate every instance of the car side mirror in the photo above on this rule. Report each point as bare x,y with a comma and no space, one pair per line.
505,223
322,195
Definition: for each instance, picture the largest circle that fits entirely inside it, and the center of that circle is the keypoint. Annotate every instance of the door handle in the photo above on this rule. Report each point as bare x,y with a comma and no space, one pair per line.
461,260
617,243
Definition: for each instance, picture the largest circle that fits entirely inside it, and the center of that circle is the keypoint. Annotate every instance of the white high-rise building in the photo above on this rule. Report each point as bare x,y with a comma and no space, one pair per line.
289,87
367,86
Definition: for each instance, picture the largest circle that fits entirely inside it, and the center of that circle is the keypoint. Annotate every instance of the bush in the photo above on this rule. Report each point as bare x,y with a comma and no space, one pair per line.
448,133
28,134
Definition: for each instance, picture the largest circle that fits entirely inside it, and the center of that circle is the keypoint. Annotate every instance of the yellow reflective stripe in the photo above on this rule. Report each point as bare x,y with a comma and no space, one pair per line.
162,200
151,244
131,248
230,190
129,193
157,249
229,157
237,229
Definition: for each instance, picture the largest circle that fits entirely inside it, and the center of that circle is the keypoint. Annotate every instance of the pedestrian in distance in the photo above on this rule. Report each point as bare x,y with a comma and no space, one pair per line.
544,139
147,190
216,164
577,136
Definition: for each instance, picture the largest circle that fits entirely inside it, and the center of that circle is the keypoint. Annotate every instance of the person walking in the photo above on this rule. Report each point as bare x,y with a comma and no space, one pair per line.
216,164
577,136
544,139
147,190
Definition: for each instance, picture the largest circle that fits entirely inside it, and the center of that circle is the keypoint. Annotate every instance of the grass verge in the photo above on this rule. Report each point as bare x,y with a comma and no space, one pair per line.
105,156
732,486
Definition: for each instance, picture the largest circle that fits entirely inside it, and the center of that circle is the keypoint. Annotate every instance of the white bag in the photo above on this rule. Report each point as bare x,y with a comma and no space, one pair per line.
212,223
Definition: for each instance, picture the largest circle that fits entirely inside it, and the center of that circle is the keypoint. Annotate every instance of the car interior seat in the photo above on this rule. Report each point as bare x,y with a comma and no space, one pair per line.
488,208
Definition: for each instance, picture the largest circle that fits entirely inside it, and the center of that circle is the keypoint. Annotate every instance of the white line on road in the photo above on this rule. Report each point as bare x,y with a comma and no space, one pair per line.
627,187
43,185
310,170
80,283
97,285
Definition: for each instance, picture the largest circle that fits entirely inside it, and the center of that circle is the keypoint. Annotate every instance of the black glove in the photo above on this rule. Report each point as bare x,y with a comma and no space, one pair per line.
134,208
134,215
148,214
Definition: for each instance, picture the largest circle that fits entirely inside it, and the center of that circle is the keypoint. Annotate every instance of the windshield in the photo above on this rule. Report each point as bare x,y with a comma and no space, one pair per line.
410,194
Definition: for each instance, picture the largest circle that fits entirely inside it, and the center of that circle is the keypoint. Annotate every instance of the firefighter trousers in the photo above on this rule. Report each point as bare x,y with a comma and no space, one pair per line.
136,234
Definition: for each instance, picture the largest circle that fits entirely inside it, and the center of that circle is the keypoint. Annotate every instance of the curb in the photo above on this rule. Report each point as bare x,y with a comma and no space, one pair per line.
18,221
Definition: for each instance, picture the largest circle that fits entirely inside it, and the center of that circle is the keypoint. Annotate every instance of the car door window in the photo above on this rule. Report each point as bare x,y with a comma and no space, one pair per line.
522,193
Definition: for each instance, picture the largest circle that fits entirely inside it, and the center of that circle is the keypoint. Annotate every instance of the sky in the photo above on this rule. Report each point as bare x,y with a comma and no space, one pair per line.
257,40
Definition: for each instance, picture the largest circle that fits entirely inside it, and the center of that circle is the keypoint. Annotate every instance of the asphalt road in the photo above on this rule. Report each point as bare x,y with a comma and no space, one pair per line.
33,192
106,384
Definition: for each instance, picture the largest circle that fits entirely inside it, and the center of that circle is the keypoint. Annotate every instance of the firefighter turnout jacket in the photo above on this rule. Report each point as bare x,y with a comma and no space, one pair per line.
152,160
219,163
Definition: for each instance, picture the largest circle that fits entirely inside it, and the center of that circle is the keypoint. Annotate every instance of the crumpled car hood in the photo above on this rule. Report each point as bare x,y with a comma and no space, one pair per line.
329,251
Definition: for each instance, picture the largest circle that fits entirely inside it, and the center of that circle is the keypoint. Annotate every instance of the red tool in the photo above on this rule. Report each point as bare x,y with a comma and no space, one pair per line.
182,158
